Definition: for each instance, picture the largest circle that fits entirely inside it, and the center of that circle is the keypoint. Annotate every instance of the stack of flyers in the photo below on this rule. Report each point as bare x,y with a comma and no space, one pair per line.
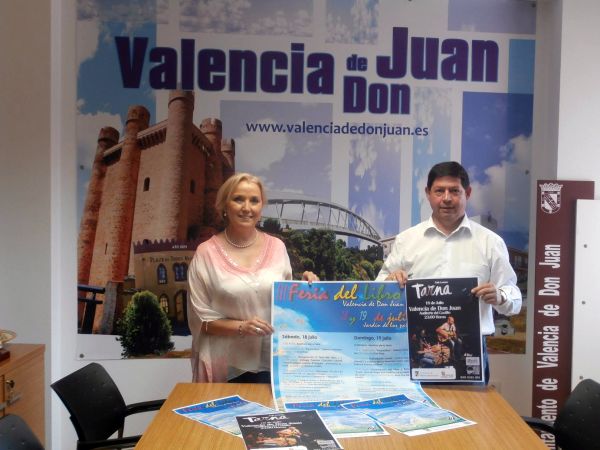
408,416
342,422
220,413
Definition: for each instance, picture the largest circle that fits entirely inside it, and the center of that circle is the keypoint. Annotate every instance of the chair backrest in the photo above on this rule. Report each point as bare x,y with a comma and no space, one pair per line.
93,400
15,434
577,425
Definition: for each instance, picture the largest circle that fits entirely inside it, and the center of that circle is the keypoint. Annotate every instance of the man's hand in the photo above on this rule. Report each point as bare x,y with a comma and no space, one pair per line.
489,293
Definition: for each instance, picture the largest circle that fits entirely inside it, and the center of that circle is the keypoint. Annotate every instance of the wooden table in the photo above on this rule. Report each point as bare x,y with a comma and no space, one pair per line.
22,385
498,424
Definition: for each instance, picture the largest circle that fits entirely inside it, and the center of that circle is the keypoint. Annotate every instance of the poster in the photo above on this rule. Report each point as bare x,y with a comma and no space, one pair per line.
340,106
444,330
297,430
339,340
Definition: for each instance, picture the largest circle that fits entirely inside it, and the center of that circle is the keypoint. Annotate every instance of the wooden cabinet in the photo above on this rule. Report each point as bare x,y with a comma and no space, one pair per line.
22,385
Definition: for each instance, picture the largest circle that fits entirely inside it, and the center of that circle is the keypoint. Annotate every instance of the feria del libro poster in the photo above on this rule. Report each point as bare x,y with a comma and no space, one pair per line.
340,106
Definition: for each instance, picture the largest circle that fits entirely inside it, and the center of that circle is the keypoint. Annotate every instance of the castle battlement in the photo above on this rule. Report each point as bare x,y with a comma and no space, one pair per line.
156,135
211,126
166,245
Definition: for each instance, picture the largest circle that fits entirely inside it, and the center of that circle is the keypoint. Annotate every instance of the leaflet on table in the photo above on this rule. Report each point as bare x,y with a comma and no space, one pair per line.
444,330
336,340
298,430
408,416
342,422
220,413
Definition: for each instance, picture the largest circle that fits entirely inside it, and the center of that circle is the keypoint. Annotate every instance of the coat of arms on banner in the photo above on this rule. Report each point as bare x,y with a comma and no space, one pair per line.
550,197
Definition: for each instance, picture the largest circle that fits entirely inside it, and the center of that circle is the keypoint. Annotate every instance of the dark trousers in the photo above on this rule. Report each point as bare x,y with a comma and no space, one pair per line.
252,377
486,361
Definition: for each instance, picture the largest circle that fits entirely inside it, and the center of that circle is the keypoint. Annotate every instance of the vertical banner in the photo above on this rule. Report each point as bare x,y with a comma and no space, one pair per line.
553,300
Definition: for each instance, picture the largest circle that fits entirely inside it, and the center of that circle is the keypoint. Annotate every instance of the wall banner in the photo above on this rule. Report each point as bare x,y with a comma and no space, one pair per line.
341,107
553,299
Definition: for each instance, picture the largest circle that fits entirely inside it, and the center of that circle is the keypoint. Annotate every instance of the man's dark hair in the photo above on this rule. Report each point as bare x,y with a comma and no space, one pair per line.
448,169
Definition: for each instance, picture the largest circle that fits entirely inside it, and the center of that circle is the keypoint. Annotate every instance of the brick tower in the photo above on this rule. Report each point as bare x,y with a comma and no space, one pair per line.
228,150
113,236
212,129
161,205
107,138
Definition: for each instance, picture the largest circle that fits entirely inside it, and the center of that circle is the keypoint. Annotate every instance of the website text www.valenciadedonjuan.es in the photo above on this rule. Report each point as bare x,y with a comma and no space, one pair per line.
346,128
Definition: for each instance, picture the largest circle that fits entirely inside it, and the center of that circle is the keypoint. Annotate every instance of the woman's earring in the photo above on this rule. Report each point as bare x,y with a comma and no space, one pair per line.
224,214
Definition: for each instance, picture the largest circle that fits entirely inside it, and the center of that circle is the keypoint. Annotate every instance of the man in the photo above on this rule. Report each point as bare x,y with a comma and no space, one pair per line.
448,336
449,245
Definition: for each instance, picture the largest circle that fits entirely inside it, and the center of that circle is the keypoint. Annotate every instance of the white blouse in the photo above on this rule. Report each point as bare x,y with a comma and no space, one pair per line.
221,289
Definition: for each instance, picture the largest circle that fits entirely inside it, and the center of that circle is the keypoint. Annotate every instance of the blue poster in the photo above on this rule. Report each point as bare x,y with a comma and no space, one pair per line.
339,340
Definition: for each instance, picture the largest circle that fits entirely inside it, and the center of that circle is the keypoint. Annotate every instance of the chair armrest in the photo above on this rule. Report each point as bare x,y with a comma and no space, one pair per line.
105,444
539,424
140,407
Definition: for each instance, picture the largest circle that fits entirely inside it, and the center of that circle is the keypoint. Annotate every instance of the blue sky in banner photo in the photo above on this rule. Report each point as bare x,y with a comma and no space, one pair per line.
496,128
492,16
295,163
254,17
497,153
101,99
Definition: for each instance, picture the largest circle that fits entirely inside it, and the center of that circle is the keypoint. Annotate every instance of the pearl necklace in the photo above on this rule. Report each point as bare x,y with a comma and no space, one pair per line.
245,245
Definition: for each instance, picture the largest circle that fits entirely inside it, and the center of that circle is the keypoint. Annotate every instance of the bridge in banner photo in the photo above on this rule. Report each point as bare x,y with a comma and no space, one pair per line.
303,213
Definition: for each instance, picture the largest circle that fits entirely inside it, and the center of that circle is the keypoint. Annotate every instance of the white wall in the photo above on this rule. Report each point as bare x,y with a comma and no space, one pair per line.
25,207
579,112
37,181
24,174
586,307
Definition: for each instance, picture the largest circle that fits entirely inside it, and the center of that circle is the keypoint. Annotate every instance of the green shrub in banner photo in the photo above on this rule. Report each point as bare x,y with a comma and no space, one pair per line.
144,328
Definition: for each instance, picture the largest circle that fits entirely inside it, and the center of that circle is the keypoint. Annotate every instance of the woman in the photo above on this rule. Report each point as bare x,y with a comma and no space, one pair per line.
231,277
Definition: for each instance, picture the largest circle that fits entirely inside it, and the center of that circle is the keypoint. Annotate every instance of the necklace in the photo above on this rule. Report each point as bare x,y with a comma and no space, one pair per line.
244,245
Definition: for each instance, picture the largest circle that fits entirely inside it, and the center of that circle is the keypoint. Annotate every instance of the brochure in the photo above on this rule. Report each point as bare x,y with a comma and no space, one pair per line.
408,416
220,413
342,422
444,330
298,430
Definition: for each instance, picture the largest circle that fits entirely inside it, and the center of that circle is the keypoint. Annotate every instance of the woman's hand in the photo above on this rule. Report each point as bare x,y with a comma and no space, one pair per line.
309,276
255,327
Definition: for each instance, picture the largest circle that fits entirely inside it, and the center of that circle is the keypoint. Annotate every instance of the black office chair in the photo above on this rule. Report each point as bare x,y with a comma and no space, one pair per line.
577,425
97,407
15,434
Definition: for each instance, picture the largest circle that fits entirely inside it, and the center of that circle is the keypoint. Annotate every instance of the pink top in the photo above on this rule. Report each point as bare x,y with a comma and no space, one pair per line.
221,289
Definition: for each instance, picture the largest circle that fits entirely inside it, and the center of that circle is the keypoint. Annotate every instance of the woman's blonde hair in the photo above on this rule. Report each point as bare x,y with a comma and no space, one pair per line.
225,192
